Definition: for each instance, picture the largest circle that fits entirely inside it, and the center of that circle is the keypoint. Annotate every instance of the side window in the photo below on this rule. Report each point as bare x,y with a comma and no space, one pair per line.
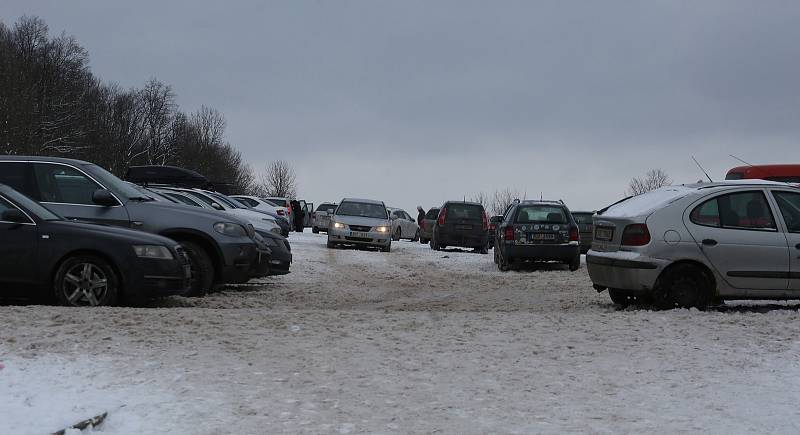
743,210
248,201
63,184
396,214
789,204
12,174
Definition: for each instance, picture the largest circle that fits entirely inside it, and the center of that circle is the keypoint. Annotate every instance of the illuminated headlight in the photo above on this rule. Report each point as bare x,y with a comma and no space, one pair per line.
230,229
382,229
152,251
339,225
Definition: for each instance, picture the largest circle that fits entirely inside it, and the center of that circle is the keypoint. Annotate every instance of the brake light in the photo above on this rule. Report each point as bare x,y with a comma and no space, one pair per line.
492,227
485,221
635,235
508,233
442,213
573,235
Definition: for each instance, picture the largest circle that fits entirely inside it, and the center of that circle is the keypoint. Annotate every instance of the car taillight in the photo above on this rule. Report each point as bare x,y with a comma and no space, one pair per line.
508,233
442,214
485,221
573,235
635,235
492,227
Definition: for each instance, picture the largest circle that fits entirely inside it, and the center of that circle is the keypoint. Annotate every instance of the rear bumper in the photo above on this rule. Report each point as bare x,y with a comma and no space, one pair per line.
586,242
471,239
561,252
373,238
624,270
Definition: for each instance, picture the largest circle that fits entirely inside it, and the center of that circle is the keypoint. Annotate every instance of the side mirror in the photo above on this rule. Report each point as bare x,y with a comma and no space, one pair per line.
104,197
14,216
216,206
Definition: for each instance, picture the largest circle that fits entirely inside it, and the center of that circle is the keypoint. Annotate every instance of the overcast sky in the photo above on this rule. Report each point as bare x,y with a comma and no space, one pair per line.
417,102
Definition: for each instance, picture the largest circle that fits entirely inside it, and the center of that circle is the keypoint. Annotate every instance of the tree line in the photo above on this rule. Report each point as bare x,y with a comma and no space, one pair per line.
52,105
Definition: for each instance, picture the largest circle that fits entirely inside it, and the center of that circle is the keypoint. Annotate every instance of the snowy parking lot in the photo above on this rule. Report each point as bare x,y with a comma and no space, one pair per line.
412,341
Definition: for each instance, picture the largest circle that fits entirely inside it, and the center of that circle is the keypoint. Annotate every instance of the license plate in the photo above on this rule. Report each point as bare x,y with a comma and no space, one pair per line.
604,234
357,234
542,236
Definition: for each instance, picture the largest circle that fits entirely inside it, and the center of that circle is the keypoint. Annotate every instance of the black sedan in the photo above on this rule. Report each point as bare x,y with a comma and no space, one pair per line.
82,264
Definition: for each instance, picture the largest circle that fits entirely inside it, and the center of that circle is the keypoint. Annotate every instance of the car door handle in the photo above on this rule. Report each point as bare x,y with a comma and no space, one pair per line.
709,242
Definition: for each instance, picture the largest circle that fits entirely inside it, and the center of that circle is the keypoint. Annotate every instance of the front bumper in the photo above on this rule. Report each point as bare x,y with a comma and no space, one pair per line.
541,252
372,238
238,260
623,270
281,259
159,278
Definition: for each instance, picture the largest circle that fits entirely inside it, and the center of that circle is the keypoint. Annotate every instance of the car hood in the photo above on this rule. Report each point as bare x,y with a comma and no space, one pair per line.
121,234
363,221
147,210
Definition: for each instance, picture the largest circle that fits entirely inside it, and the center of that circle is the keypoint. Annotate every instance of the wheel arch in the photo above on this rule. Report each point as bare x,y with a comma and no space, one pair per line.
708,274
121,278
203,240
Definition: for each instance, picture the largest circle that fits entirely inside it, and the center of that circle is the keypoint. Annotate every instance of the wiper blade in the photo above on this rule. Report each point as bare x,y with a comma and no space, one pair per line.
604,209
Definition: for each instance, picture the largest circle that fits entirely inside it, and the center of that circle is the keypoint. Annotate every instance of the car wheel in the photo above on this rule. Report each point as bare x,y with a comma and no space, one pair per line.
330,244
502,263
202,269
424,241
416,236
397,234
387,248
315,230
435,243
575,264
682,286
484,249
86,280
619,297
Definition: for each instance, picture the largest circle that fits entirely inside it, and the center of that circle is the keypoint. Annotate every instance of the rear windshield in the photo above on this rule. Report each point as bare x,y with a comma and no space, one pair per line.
551,214
582,218
469,212
326,207
362,209
432,213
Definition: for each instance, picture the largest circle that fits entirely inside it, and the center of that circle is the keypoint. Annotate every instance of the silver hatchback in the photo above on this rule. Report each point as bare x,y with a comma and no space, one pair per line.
361,222
693,245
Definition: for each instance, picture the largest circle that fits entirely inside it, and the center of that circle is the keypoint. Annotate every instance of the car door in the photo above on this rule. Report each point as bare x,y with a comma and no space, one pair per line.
738,234
68,191
788,203
411,225
18,250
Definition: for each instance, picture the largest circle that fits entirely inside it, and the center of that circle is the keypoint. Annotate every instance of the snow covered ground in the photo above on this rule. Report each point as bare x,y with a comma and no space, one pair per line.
414,341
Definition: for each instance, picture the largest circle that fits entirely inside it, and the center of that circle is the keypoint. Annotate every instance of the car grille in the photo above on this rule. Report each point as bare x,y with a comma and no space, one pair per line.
358,239
360,228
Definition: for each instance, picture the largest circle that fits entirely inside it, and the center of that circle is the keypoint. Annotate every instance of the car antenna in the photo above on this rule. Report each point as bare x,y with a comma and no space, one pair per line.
701,168
746,163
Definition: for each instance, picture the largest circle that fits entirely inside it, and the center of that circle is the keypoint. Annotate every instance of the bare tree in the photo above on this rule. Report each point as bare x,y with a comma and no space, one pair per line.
482,199
654,179
501,199
159,106
279,179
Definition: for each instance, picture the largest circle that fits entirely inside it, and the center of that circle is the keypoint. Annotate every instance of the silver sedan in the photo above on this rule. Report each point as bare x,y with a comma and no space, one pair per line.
693,245
360,222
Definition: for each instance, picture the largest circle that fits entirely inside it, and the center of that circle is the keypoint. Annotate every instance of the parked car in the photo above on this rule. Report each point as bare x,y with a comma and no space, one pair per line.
305,207
426,229
585,228
221,248
41,254
279,219
321,217
462,224
403,225
782,173
692,245
362,222
533,231
278,254
264,205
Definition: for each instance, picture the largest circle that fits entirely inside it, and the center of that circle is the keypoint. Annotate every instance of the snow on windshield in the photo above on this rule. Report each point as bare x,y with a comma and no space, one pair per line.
647,203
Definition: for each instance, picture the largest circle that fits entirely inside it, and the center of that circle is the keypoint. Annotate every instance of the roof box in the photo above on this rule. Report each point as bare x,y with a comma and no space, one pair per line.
171,175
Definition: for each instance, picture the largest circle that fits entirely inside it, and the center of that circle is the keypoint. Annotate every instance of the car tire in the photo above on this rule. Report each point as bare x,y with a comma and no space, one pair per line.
435,243
575,264
331,245
424,241
682,286
78,290
619,297
387,248
502,264
416,236
397,235
484,249
202,269
315,230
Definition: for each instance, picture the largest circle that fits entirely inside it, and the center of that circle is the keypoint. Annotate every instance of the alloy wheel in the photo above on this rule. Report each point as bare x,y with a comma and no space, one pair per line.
85,284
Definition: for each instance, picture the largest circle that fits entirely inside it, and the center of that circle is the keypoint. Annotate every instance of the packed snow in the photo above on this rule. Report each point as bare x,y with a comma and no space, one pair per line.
412,341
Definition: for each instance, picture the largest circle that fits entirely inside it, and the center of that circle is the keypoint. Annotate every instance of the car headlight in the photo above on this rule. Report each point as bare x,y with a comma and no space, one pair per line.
339,225
382,229
230,229
153,251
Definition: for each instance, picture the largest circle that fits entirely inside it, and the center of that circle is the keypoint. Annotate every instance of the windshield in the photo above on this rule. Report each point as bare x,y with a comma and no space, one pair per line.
550,214
327,208
362,209
111,182
225,200
582,218
182,199
32,206
432,213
